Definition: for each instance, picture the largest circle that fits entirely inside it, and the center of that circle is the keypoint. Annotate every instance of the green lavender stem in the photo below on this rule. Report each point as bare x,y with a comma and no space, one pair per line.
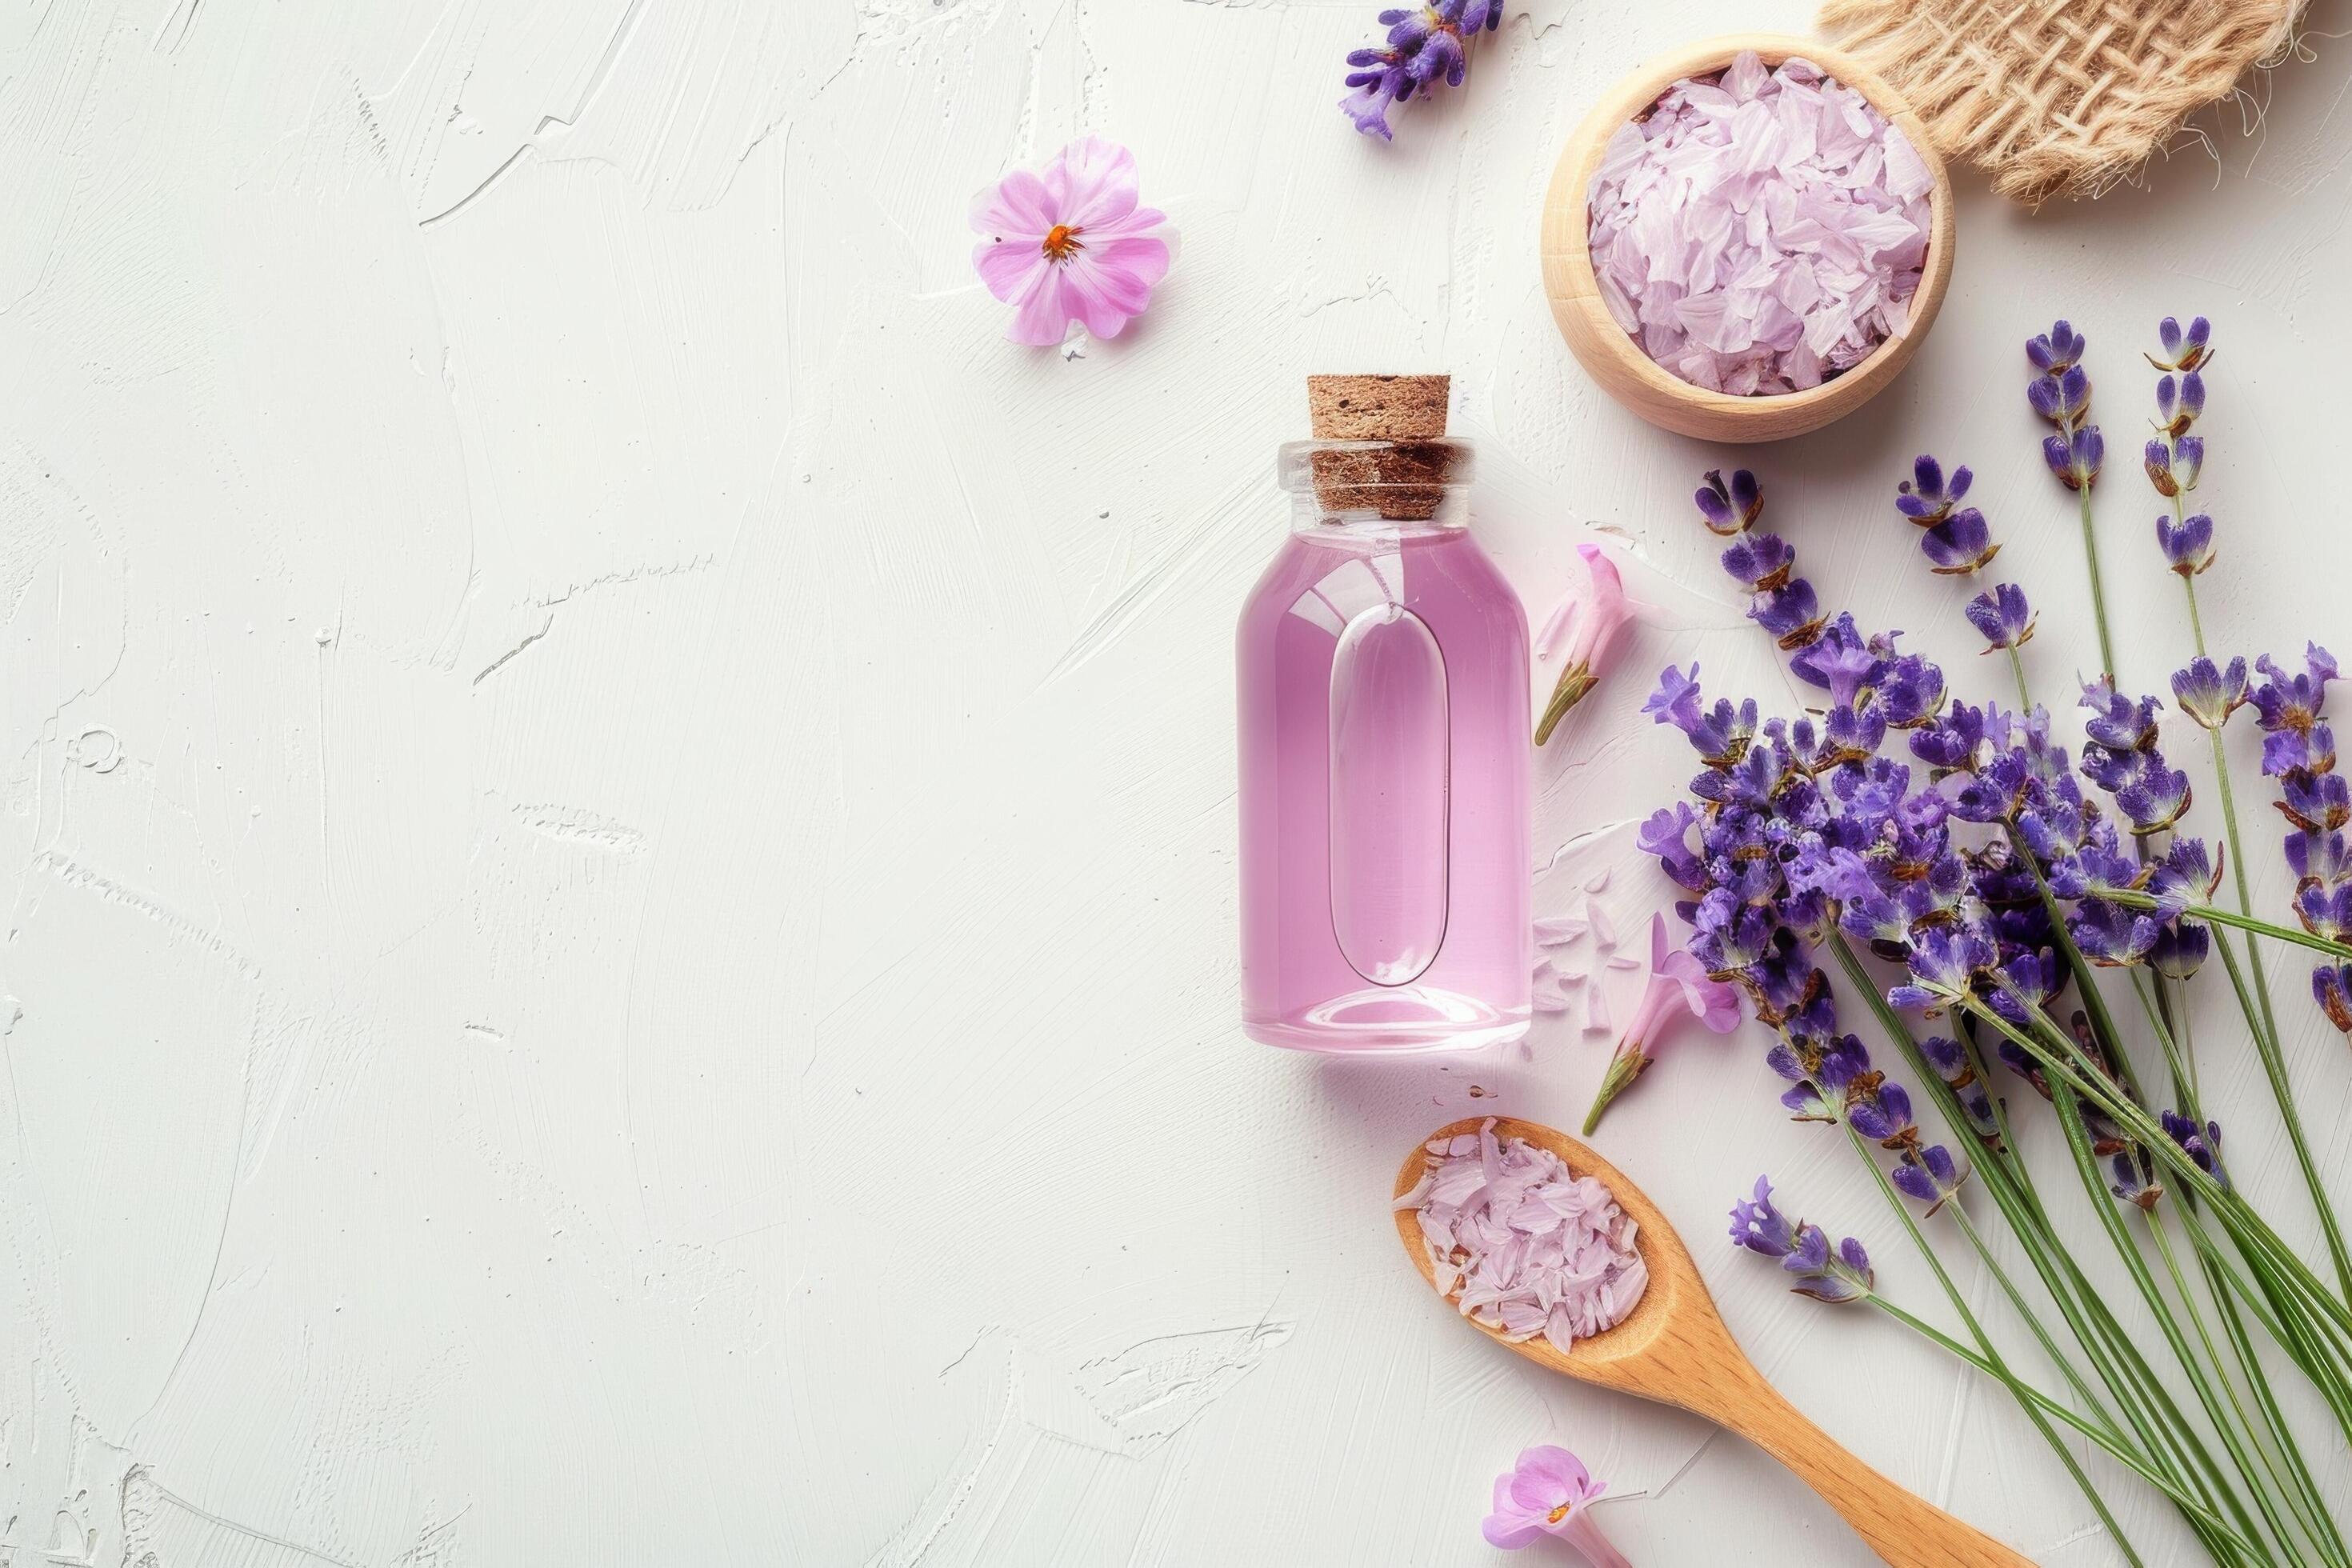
2098,589
2199,1513
2059,1056
2165,1437
1999,1367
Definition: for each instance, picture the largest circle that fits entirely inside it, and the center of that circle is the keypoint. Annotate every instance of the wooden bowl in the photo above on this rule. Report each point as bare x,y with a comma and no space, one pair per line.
1617,361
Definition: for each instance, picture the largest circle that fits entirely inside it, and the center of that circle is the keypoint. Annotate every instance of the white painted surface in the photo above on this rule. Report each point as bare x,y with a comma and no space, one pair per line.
616,822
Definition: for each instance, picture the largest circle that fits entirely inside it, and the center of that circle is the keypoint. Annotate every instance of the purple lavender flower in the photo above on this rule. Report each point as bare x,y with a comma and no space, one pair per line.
2183,350
2172,468
2188,545
1835,1277
1959,1075
1425,44
1792,613
2003,616
1760,562
1927,497
1952,740
2292,703
2316,803
2209,693
2188,874
1933,1177
2057,350
2179,402
1730,507
1759,1226
1840,660
1944,960
2112,936
2331,985
2180,950
1959,544
2203,1146
2076,458
2062,398
2119,722
1912,691
2135,1180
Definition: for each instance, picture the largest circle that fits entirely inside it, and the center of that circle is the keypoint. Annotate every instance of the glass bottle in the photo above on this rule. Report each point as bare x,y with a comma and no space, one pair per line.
1384,763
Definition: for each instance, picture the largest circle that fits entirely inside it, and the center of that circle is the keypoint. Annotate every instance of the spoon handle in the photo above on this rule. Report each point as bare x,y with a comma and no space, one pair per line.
1901,1526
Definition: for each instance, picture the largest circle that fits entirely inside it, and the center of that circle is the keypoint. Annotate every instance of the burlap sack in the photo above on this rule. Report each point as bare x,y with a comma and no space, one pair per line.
2060,97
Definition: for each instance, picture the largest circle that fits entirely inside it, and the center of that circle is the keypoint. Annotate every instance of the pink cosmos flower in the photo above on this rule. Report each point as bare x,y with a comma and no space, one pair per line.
1071,245
1589,628
1549,1492
1680,988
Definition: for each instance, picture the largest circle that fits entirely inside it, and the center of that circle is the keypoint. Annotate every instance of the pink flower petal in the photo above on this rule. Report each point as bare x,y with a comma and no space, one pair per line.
1092,183
1562,1470
1142,220
1043,315
1111,284
1611,610
1009,267
1017,207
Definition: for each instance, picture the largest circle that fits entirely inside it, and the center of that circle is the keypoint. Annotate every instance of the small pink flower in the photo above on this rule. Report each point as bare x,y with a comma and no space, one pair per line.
1680,987
1549,1492
1591,628
1071,245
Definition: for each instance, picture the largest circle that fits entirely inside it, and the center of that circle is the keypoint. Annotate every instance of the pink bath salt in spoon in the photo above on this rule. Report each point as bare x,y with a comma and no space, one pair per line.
1670,1343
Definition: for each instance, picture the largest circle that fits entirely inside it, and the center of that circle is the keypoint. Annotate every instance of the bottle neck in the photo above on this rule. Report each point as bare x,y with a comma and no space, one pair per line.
1447,511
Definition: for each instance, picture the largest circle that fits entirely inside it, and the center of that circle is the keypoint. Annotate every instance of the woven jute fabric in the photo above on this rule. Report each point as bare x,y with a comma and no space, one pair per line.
2060,97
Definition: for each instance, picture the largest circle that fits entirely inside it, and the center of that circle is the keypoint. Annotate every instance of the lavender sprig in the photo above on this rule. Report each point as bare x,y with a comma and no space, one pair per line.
2209,692
1836,1274
2060,394
1426,45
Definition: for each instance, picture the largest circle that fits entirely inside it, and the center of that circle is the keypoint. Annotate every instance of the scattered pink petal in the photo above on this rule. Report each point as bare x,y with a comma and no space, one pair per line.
1604,930
1070,246
1600,882
1556,626
1558,930
1596,1012
1624,961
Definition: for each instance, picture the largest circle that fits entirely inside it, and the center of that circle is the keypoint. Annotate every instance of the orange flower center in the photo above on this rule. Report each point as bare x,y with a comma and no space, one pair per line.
1061,242
1556,1515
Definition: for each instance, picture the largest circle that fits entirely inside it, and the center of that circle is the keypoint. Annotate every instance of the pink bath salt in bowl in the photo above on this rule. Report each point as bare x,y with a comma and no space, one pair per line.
1760,230
1747,239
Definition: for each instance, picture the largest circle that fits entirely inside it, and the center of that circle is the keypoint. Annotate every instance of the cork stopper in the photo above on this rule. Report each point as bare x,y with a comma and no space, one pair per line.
1377,407
1401,470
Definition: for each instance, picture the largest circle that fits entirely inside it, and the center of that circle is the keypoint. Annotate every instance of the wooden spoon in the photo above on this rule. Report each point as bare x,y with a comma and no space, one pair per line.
1673,1348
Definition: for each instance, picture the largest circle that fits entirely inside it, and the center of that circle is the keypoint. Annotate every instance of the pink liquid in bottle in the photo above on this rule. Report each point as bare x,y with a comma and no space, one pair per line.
1384,762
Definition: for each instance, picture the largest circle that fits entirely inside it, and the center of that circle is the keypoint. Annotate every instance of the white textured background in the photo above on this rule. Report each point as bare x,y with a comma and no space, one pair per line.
616,823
